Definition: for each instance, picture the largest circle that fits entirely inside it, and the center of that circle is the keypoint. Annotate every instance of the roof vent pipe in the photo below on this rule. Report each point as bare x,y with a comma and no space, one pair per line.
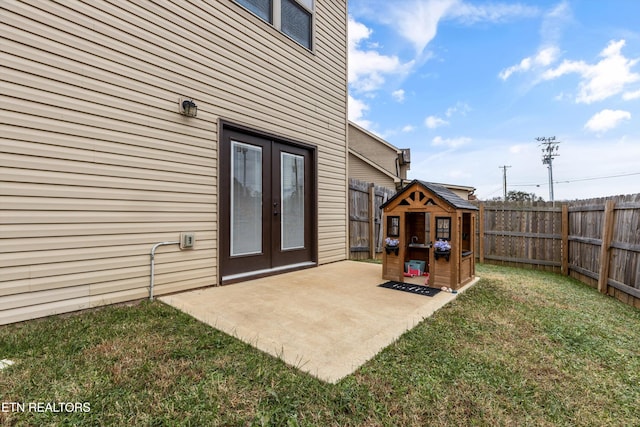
153,256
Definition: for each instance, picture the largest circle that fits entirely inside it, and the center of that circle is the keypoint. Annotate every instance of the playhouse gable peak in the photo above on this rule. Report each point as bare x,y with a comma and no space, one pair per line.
420,194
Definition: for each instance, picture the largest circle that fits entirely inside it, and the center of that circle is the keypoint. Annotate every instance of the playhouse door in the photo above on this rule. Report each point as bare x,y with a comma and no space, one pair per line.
266,209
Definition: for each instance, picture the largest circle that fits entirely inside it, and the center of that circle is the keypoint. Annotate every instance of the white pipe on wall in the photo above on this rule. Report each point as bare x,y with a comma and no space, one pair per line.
153,256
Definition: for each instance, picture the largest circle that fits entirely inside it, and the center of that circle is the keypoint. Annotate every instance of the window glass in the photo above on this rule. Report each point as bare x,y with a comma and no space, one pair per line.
292,196
443,228
262,8
393,226
246,199
296,22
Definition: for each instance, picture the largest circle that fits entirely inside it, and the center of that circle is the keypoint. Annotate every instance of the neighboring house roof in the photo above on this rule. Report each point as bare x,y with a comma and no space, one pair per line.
374,165
456,187
377,159
439,190
377,138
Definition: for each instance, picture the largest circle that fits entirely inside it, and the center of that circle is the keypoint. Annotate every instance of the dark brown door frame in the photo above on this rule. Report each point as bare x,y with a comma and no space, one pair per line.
287,257
259,261
262,266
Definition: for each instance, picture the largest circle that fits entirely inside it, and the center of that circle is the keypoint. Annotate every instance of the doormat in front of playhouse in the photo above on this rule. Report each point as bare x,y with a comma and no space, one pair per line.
408,287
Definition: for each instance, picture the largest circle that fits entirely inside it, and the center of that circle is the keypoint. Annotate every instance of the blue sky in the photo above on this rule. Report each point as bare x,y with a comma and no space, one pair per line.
468,85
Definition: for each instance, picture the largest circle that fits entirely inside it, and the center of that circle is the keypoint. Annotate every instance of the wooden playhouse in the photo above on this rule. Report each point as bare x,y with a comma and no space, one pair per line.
429,235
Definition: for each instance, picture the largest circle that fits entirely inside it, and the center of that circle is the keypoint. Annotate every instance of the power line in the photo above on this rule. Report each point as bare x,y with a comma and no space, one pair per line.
492,192
601,177
580,179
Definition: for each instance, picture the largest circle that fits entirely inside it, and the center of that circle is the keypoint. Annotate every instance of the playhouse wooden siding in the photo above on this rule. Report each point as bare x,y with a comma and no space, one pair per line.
454,270
96,164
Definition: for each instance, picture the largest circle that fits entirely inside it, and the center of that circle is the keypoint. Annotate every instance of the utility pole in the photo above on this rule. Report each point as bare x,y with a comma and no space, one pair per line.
504,180
549,151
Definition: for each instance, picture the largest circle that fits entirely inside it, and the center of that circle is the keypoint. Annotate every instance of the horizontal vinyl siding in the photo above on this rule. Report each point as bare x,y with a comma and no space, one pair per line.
96,164
378,152
362,171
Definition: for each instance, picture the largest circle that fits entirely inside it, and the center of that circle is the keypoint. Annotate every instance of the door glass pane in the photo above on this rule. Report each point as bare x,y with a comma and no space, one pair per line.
292,197
246,199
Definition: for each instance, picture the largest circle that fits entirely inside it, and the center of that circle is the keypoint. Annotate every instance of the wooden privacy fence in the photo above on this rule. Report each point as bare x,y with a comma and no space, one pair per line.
516,233
596,241
365,218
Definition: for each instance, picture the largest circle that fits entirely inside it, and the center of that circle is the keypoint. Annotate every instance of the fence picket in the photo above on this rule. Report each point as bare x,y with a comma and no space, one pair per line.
596,241
365,227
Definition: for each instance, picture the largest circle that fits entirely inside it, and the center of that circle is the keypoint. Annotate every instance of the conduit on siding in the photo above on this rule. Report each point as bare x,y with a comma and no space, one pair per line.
153,256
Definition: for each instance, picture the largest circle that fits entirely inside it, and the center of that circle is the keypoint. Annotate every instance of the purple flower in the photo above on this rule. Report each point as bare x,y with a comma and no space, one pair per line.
391,242
442,245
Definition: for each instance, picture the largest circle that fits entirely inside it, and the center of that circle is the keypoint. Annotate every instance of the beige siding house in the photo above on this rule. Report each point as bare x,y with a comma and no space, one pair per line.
372,159
99,161
463,191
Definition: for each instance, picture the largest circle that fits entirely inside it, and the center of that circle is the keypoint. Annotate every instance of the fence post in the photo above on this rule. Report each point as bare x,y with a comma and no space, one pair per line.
607,235
565,240
372,220
481,234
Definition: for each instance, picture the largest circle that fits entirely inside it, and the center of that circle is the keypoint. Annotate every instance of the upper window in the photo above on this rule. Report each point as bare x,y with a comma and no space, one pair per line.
292,17
262,8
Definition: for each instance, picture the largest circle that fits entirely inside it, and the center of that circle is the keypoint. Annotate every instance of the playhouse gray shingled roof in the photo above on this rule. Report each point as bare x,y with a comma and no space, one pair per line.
441,191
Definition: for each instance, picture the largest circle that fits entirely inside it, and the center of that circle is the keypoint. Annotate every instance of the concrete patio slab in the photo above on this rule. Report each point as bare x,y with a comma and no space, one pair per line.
326,321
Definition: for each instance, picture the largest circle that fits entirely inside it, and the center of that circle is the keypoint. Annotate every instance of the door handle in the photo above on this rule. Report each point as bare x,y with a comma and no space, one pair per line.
275,209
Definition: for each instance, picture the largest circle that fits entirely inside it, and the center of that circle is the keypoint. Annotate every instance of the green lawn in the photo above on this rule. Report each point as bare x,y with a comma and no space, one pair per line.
520,348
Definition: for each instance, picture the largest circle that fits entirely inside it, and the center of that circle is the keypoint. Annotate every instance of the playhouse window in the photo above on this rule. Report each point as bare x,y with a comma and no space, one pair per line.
393,226
443,228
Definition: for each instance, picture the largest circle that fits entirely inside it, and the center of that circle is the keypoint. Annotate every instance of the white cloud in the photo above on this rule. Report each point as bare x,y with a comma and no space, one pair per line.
417,21
408,128
491,12
545,57
628,96
450,142
461,108
602,80
398,95
548,52
554,22
367,67
433,122
355,112
524,65
606,120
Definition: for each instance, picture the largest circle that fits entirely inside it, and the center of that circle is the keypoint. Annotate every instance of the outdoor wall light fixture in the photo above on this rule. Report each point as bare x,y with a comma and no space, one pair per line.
188,107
